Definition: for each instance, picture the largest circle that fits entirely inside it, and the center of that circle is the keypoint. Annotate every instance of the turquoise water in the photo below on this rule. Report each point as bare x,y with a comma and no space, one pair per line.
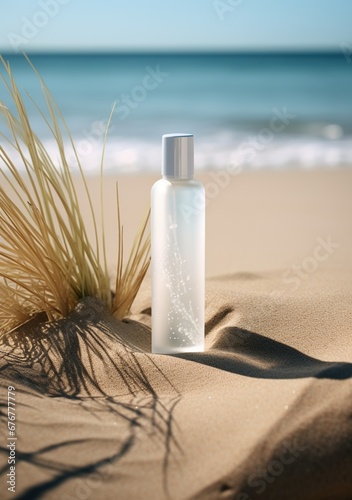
260,111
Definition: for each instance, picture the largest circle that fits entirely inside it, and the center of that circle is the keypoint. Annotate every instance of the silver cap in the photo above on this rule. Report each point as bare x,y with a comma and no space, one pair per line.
178,156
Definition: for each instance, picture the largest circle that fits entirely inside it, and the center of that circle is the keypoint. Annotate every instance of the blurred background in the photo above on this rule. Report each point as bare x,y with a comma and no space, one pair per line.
260,83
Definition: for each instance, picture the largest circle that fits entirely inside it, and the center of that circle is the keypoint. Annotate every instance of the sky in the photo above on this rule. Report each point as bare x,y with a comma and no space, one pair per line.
174,25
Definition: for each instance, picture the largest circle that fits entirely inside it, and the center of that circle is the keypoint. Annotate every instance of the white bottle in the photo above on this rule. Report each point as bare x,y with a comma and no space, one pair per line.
178,255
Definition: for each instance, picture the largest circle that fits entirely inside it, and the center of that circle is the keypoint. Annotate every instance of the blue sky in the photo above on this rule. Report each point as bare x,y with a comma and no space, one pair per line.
122,25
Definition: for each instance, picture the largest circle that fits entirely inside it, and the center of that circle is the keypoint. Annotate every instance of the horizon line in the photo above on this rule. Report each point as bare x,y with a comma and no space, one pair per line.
183,52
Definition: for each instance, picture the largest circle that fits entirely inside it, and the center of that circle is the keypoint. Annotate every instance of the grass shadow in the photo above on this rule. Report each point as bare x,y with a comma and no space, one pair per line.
74,359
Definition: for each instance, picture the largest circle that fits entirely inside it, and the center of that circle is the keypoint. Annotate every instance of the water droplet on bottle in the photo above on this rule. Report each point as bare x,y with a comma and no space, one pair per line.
173,226
188,278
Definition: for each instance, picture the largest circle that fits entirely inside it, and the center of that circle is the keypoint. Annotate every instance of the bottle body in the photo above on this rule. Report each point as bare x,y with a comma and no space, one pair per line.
178,265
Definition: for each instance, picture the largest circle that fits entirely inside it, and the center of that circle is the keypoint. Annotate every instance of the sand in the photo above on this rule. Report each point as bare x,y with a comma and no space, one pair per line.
265,412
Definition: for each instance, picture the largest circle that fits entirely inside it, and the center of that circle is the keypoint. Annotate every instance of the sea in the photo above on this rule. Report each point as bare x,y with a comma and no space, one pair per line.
253,110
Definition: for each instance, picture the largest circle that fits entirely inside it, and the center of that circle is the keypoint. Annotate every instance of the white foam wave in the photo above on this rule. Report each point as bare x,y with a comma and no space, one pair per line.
215,152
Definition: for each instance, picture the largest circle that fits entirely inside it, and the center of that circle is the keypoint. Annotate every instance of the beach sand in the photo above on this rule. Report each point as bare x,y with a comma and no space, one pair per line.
265,412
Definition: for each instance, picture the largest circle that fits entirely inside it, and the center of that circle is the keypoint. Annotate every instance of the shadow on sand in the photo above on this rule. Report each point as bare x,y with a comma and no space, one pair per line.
247,353
87,359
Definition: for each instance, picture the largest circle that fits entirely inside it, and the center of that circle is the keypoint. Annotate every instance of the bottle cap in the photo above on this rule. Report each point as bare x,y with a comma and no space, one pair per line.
178,156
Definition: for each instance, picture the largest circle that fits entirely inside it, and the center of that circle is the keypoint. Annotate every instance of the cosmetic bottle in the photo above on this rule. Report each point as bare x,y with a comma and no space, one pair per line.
177,250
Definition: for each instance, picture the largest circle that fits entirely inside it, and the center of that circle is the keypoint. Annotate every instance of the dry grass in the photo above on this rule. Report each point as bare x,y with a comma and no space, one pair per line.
47,262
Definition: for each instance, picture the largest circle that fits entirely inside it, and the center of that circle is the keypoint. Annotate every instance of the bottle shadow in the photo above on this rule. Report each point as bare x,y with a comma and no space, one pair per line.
247,353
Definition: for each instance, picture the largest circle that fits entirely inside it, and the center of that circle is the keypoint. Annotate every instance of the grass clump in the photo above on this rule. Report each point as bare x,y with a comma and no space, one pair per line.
47,262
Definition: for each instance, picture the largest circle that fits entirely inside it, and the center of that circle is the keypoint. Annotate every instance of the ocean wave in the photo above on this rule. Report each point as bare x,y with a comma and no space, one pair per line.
219,151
